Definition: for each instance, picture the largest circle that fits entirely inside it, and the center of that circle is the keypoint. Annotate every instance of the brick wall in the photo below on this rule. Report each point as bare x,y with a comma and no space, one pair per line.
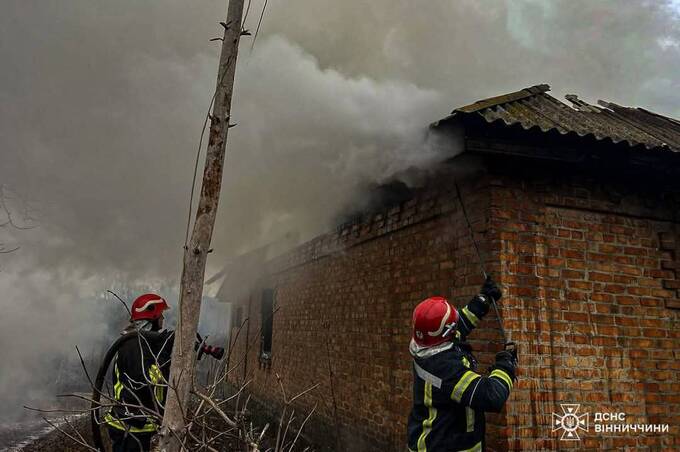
589,268
345,302
591,274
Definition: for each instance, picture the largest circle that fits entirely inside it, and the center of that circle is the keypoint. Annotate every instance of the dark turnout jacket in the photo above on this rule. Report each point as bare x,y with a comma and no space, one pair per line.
449,396
140,375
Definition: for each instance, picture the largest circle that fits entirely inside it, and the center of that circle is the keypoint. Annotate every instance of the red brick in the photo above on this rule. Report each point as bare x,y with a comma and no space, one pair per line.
602,297
620,299
614,288
573,254
653,332
576,316
582,285
639,291
597,276
626,321
572,274
610,249
662,293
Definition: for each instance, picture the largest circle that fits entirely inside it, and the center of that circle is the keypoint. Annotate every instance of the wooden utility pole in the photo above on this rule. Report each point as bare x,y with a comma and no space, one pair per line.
196,254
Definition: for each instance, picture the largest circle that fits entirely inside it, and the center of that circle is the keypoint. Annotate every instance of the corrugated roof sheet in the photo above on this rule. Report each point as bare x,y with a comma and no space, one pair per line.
533,108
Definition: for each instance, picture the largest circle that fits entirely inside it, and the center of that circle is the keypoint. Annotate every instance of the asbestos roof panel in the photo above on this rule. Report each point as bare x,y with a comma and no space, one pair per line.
533,108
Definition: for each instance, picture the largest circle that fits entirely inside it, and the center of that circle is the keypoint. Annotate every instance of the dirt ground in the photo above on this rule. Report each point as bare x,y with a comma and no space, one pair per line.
56,441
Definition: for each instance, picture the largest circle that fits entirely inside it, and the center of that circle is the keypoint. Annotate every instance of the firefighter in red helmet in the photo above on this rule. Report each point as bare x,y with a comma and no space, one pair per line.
140,374
449,396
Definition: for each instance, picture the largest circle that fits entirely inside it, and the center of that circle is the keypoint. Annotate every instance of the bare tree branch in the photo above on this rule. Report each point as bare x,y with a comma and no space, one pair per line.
121,301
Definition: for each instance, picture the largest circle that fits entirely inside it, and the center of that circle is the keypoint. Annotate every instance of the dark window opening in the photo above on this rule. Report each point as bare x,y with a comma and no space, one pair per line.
267,309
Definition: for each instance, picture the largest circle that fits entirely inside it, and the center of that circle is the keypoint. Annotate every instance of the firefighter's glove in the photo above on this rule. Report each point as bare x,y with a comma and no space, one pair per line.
490,290
512,348
507,361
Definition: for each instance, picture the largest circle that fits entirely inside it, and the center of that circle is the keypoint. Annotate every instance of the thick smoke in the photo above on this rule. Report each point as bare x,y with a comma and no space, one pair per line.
101,105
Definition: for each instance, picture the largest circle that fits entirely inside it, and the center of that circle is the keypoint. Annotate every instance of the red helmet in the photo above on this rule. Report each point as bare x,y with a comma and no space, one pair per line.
433,321
148,307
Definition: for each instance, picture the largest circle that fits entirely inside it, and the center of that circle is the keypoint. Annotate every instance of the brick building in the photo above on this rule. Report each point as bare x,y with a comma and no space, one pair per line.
576,209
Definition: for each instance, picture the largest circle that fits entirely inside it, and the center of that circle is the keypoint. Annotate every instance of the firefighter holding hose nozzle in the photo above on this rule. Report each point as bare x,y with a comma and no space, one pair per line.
449,396
141,366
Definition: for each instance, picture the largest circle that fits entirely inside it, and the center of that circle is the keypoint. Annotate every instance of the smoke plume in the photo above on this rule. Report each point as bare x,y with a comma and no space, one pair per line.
101,105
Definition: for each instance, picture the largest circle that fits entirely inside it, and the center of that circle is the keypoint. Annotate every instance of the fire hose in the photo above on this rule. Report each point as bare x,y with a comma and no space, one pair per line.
95,408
